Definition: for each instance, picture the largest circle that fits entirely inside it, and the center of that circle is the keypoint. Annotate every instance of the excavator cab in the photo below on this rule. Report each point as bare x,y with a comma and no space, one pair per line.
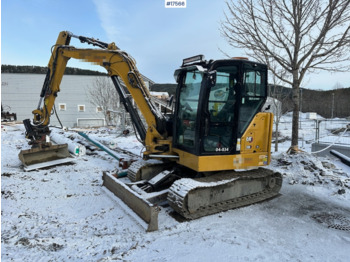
216,101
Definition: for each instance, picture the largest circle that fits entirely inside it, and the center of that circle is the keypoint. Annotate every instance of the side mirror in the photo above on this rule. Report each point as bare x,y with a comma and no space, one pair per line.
212,78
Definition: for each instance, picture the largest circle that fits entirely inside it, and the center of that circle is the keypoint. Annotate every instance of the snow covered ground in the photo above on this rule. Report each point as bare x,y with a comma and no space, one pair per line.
64,214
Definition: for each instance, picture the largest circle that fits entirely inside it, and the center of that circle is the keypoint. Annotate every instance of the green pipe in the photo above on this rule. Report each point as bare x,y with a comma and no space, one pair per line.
122,174
111,153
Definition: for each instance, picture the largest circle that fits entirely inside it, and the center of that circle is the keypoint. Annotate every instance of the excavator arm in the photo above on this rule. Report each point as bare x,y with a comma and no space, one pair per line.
120,66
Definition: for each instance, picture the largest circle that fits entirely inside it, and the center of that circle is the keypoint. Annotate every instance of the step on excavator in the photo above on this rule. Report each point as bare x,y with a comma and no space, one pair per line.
207,156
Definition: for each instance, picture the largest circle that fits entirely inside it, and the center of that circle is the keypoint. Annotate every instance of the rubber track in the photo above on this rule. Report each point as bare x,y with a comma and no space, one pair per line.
178,202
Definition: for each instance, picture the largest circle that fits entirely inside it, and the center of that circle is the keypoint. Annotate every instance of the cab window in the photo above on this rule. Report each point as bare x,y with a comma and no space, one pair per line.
187,109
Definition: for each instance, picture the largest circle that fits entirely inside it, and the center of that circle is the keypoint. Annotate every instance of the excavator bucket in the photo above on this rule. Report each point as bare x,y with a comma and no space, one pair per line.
36,158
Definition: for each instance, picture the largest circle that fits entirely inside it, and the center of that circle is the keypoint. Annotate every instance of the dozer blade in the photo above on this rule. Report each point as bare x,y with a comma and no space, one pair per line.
142,203
36,158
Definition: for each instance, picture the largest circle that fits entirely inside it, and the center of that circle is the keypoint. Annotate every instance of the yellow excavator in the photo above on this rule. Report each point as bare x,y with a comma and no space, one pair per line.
208,156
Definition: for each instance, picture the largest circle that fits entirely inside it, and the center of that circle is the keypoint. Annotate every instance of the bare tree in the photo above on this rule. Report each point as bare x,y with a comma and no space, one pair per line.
300,36
103,95
337,85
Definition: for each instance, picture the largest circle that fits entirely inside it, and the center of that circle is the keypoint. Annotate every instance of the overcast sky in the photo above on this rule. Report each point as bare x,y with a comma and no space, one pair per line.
157,37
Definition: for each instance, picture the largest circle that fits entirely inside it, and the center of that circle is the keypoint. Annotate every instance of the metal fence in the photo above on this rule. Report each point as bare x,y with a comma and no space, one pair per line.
333,131
328,131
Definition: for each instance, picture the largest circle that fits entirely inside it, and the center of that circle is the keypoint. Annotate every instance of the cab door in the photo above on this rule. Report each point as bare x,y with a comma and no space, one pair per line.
220,113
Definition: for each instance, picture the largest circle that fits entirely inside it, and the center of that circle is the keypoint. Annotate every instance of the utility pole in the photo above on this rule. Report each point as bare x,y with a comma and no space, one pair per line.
332,105
300,106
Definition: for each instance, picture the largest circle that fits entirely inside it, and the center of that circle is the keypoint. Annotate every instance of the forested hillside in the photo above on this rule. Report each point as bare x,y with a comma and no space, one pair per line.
317,101
324,103
42,70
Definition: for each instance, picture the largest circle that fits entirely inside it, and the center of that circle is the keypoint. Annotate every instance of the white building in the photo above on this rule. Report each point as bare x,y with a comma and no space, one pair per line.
160,95
21,93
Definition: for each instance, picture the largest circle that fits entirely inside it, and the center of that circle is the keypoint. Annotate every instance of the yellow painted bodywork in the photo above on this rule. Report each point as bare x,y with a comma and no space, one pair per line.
255,150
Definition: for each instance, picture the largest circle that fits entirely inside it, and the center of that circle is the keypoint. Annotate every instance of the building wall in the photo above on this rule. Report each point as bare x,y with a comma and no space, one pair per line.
20,94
